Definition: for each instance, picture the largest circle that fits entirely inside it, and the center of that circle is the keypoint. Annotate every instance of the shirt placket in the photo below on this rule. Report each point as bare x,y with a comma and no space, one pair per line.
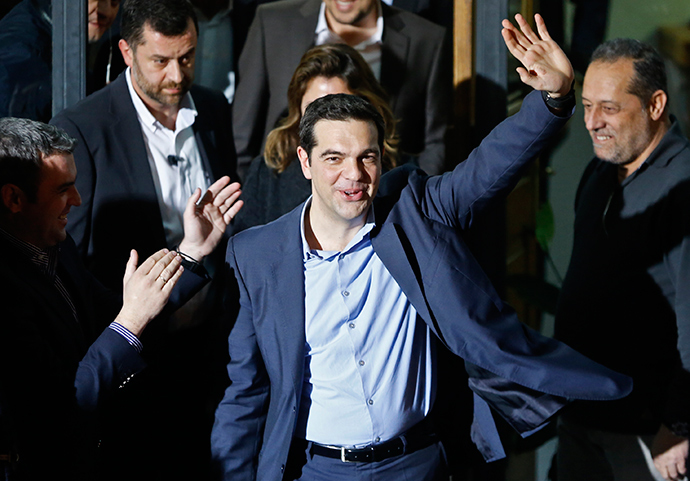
356,332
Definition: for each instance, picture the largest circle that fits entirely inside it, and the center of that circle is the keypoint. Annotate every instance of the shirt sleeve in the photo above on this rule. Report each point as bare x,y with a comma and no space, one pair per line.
129,337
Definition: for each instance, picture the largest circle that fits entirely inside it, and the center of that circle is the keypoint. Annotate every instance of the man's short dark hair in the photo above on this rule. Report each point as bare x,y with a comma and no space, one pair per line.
650,72
340,107
24,144
167,17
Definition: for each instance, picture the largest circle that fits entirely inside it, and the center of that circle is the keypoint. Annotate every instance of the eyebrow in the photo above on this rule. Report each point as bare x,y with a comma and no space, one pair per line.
163,57
585,99
66,184
328,152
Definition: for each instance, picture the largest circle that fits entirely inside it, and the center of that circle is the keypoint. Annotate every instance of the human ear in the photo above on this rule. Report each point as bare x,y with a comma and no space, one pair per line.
304,162
13,197
127,52
657,104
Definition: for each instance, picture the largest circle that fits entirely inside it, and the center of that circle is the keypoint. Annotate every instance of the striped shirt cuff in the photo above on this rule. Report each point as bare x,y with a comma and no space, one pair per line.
131,338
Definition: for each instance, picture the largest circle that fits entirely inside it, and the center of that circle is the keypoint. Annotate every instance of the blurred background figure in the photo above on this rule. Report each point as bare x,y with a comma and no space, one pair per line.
26,55
409,55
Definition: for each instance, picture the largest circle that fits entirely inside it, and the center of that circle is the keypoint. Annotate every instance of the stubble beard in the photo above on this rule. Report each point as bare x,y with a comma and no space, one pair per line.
156,93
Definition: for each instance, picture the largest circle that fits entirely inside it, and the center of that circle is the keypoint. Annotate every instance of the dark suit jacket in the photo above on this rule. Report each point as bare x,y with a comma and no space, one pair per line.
57,373
415,71
418,237
119,208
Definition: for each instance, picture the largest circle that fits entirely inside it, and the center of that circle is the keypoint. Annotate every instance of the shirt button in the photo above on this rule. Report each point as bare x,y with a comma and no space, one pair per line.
346,293
378,439
361,363
371,401
340,257
352,325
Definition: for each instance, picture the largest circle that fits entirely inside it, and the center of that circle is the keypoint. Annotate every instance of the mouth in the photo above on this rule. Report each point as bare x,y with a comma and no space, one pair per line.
353,195
344,5
599,139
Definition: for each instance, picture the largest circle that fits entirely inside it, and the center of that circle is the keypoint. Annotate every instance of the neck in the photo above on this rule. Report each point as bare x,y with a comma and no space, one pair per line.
323,234
356,33
165,114
626,170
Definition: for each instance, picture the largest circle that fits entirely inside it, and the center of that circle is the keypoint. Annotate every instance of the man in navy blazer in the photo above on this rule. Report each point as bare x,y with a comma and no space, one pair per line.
63,358
144,142
332,355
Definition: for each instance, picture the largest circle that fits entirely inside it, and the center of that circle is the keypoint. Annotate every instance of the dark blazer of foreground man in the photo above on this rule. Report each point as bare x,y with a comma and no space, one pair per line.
62,361
419,222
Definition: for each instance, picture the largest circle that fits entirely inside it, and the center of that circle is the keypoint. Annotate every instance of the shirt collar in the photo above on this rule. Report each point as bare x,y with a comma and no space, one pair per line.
308,253
44,259
322,26
185,116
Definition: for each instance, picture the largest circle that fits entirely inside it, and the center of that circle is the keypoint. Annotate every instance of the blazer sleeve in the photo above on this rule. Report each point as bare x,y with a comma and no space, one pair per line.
250,105
493,168
241,415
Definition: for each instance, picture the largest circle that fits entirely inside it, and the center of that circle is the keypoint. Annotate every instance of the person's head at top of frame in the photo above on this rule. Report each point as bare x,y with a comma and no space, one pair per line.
625,98
100,17
328,69
340,151
158,43
37,176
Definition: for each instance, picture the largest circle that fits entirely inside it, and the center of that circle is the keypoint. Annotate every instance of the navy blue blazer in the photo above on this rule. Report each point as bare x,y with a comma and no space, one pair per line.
522,375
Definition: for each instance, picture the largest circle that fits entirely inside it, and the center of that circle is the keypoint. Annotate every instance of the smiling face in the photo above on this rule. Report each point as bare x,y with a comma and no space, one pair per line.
43,221
162,67
320,87
620,125
349,12
101,15
344,168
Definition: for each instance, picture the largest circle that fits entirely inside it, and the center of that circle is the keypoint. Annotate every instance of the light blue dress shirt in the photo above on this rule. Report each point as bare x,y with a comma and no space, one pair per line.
368,356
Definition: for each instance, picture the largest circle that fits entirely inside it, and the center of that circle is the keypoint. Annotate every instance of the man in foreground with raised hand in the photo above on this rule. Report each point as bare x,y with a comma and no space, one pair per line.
333,374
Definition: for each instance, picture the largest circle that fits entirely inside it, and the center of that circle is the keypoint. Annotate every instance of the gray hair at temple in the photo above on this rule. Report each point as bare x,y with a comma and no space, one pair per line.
24,144
650,71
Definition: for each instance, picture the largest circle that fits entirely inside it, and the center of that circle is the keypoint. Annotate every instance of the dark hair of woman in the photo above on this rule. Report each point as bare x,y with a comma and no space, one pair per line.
329,61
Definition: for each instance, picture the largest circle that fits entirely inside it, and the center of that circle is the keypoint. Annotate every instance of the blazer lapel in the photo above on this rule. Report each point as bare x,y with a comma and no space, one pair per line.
27,274
127,136
286,283
389,246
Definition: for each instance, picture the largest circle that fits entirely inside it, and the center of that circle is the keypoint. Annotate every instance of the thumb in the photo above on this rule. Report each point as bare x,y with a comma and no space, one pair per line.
131,266
191,202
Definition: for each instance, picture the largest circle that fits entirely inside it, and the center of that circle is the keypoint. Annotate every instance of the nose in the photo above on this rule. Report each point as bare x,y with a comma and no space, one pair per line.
594,119
353,169
75,197
174,71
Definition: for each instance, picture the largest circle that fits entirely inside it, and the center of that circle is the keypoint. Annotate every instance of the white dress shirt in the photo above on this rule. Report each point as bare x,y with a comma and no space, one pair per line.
175,182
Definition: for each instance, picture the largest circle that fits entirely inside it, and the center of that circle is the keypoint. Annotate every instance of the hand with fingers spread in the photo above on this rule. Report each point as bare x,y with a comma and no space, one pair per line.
670,453
147,288
207,217
545,66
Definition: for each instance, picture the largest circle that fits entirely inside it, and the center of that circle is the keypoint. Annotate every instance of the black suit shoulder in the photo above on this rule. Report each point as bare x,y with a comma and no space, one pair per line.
399,19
